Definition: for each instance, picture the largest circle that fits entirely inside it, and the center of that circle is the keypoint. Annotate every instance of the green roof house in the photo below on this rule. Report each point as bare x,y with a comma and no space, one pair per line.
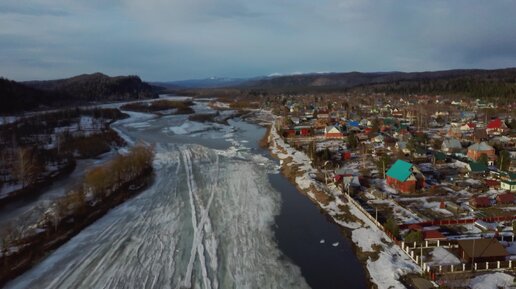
405,177
508,181
477,167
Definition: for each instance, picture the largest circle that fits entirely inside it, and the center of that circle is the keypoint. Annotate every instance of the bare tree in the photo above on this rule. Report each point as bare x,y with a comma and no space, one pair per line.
26,167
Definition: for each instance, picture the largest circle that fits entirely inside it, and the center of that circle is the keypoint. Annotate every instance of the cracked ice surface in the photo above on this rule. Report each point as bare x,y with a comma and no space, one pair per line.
205,223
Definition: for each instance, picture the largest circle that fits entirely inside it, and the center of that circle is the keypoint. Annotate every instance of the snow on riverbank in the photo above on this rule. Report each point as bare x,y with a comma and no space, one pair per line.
391,262
135,120
492,281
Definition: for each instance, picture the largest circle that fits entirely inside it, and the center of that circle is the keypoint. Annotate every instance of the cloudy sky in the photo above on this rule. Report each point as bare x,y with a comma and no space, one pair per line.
183,39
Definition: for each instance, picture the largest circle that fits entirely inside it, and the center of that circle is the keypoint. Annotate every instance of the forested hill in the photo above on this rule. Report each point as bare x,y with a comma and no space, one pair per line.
98,87
15,97
82,89
473,82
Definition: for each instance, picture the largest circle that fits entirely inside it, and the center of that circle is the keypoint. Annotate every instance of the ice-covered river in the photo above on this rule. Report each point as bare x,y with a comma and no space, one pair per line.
217,216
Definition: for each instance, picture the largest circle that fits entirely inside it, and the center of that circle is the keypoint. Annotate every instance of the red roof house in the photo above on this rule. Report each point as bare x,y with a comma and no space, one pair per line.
496,126
505,199
480,202
433,235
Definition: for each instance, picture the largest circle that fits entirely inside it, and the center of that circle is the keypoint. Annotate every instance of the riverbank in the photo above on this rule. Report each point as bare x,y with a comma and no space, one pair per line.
383,261
69,216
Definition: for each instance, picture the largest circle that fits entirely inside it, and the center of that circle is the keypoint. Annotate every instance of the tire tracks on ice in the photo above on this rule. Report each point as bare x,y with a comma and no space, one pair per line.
200,244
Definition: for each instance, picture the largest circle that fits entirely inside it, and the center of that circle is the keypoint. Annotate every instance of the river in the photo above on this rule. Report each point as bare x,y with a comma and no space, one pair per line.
219,215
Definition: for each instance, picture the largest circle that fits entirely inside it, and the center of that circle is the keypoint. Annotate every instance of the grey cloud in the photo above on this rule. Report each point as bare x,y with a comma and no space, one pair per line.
178,39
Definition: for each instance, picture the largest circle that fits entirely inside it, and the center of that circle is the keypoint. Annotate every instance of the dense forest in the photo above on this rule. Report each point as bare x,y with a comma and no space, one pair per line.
16,97
83,89
499,84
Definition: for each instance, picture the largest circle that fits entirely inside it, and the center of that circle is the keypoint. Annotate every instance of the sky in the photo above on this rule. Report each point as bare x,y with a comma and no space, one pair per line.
162,40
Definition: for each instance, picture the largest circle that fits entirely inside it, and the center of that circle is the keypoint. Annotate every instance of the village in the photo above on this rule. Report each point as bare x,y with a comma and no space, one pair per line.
436,174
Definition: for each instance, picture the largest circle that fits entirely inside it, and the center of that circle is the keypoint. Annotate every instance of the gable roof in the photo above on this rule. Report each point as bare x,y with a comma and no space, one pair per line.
451,143
331,129
482,248
495,123
477,167
400,170
483,146
505,198
439,156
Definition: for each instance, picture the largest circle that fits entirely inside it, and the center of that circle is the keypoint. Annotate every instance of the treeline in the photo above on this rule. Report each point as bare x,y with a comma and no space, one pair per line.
504,90
17,97
98,87
35,150
103,180
24,130
498,84
102,188
182,107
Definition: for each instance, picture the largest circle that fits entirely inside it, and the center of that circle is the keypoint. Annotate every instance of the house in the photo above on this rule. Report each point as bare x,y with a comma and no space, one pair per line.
332,132
475,151
454,132
353,123
347,178
496,127
508,181
323,114
468,127
398,113
451,145
303,130
438,157
481,250
405,177
402,146
480,202
379,138
419,153
505,199
433,235
477,168
346,155
491,183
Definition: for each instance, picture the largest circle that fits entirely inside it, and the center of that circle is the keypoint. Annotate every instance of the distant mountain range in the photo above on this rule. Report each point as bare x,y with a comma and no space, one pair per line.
97,87
354,79
81,89
212,82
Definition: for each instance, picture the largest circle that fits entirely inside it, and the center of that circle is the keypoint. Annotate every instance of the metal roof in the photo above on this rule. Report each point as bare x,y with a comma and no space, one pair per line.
400,170
483,146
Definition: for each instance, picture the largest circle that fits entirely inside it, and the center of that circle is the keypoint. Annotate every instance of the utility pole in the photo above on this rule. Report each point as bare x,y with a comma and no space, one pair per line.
421,255
473,257
383,163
